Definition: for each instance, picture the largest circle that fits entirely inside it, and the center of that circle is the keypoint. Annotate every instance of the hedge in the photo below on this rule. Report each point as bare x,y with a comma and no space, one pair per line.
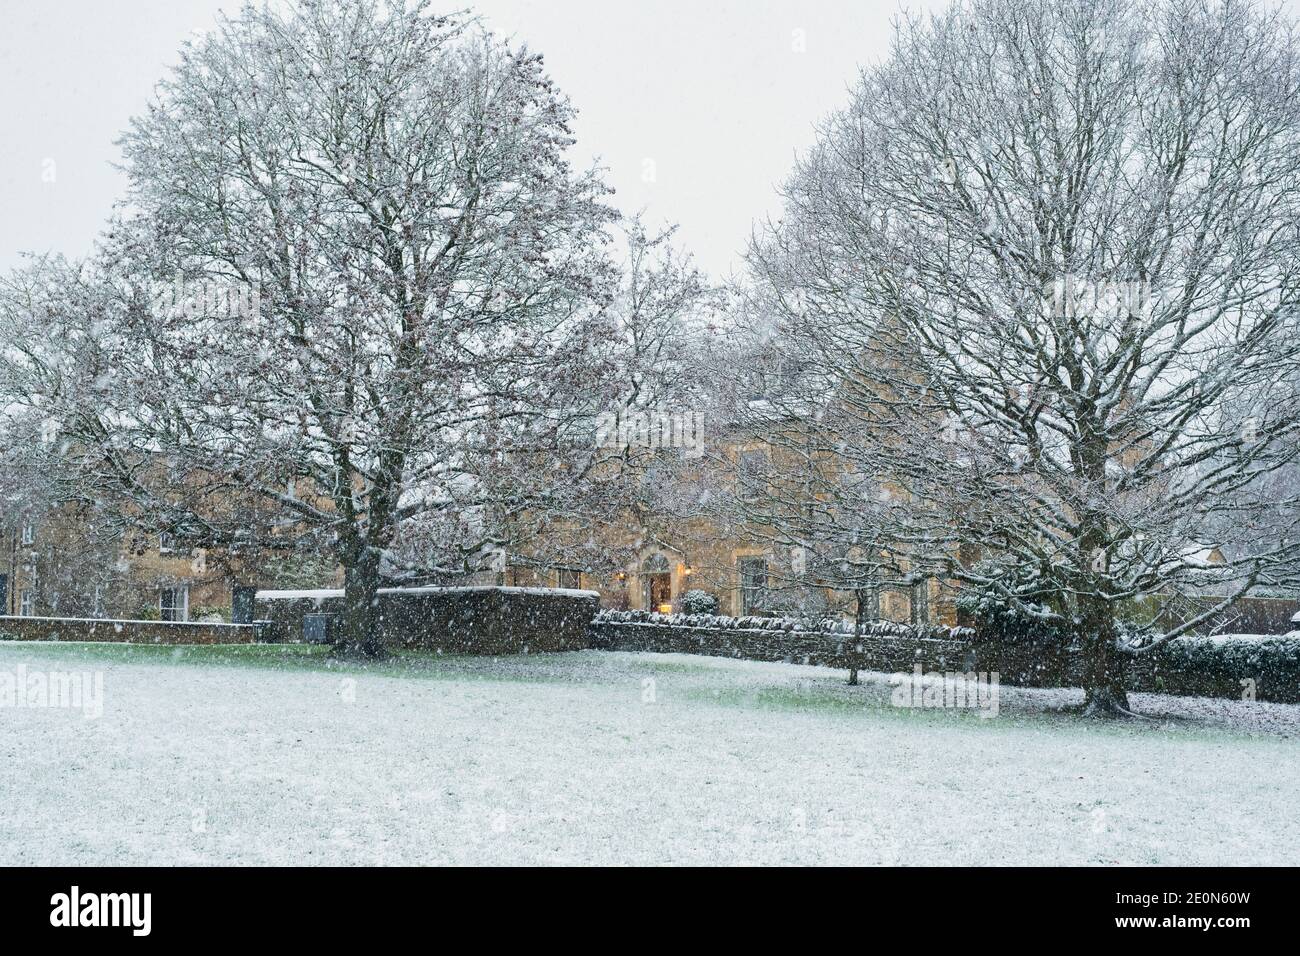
1230,665
1021,656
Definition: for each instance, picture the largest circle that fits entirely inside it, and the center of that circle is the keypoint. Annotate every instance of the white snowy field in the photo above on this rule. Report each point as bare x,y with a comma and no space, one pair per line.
266,755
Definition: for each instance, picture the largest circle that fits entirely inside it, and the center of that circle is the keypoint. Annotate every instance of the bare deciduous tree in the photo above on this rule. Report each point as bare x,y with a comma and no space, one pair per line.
1048,258
358,287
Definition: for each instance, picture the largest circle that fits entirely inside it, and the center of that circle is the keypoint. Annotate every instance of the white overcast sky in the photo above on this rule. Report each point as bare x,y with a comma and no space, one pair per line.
714,92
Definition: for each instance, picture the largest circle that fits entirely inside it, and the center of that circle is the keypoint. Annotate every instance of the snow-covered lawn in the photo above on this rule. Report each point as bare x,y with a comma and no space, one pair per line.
265,755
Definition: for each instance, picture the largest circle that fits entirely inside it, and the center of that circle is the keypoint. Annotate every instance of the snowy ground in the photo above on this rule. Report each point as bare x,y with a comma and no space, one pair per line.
265,755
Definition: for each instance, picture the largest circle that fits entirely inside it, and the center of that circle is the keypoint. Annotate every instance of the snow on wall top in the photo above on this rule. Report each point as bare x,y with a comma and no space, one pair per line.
322,594
877,628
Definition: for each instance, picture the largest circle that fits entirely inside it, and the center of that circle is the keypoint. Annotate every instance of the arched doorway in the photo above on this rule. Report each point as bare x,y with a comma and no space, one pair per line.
657,576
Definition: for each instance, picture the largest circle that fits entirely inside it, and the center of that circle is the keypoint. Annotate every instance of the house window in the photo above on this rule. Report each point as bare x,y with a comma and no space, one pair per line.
753,584
29,534
166,542
27,603
174,603
97,609
568,578
921,602
869,595
751,473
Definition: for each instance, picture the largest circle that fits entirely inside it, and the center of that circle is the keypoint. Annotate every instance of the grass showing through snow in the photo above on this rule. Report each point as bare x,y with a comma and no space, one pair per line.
276,754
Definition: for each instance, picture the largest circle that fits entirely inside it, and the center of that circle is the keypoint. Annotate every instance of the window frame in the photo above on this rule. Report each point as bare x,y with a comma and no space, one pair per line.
751,594
874,603
919,601
751,485
180,603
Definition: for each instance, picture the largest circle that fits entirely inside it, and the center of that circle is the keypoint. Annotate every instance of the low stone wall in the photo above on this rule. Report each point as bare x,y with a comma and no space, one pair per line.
468,620
882,645
122,632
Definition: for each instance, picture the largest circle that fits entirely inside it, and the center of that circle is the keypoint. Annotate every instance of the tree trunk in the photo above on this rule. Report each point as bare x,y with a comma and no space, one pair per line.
1103,661
857,635
359,635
